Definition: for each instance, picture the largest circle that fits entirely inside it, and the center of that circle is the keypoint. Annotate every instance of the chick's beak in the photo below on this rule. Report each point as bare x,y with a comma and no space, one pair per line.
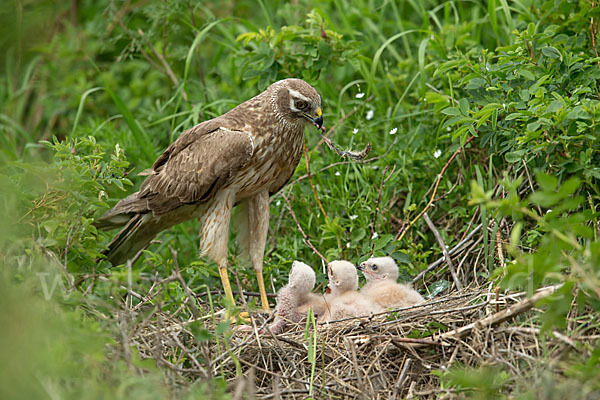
360,267
318,120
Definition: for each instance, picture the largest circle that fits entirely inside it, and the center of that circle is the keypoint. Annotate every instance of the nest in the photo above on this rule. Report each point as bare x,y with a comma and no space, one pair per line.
389,355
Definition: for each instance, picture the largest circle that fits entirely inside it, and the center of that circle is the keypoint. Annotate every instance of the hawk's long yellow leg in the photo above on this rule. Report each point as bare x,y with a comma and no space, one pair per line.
263,293
258,223
226,284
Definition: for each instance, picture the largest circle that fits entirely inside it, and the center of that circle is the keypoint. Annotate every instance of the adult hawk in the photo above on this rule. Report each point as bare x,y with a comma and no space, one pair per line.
240,157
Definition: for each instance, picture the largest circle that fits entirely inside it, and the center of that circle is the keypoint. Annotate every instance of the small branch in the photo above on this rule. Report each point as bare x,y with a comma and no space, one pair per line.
335,164
530,184
165,65
242,293
499,317
353,155
186,289
400,236
325,137
444,250
451,252
304,236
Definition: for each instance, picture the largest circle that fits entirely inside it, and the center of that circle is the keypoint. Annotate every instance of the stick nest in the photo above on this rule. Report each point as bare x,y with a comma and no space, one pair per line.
385,356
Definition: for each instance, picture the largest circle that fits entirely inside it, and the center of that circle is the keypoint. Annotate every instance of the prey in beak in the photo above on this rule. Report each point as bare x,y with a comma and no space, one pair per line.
317,120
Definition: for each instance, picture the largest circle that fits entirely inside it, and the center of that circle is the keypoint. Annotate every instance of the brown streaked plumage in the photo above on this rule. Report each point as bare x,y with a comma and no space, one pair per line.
240,157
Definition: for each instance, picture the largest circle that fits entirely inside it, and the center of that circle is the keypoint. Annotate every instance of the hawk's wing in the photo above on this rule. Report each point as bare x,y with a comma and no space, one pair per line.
194,167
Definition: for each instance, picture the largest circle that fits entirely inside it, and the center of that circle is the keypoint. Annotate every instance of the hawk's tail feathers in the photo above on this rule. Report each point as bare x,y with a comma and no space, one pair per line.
122,212
135,236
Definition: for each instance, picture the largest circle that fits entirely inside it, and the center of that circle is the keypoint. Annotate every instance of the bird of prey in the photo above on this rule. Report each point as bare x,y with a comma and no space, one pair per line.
241,157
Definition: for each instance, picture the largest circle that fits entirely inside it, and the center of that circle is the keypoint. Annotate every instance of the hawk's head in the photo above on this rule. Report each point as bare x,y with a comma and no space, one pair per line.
296,101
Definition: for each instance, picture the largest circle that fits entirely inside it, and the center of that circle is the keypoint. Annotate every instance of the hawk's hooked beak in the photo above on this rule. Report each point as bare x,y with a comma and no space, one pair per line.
318,120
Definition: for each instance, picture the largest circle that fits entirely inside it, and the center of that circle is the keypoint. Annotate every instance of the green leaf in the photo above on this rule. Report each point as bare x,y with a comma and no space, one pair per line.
547,182
475,83
451,111
464,106
514,156
551,52
526,74
533,126
569,187
437,288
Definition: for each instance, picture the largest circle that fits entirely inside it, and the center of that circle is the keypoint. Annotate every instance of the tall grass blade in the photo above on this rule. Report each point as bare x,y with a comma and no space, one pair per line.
80,108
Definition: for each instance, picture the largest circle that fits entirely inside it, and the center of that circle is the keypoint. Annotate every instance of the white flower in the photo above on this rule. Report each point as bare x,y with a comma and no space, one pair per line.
348,245
337,173
375,235
278,203
437,153
549,211
425,99
360,95
503,105
393,131
448,129
369,115
354,131
353,217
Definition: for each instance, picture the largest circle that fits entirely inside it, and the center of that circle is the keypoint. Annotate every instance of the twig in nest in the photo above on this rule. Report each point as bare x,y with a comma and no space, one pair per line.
243,293
188,292
447,257
354,156
452,251
499,317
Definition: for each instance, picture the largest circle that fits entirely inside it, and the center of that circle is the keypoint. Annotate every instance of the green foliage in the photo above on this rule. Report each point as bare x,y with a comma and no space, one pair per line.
476,383
114,83
533,100
303,52
567,251
58,201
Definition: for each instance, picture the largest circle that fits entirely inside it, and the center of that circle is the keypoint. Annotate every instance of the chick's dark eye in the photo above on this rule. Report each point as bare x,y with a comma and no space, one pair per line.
374,267
301,104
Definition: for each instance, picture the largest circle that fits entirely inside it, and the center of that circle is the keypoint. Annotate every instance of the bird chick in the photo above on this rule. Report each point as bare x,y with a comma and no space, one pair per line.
381,274
295,298
344,300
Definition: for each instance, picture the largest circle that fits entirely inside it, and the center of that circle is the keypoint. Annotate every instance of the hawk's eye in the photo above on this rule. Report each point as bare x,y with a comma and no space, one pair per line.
374,267
301,104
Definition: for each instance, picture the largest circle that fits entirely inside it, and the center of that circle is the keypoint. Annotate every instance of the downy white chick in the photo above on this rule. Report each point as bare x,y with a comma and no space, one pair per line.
344,300
294,299
381,274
